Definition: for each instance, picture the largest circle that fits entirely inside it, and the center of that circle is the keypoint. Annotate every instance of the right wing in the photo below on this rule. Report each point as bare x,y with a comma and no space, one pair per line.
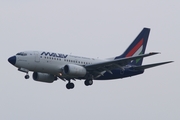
98,68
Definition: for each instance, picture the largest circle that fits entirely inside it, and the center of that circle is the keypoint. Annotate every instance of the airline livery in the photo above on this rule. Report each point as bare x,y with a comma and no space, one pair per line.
49,66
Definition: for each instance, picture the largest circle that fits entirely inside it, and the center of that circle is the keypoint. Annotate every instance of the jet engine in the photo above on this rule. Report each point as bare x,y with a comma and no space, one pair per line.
43,77
74,70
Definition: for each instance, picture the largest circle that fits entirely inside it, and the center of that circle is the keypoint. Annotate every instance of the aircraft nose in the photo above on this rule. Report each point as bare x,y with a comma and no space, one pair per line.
12,60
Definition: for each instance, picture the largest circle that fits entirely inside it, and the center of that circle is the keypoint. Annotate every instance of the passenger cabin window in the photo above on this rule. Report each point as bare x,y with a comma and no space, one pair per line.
22,54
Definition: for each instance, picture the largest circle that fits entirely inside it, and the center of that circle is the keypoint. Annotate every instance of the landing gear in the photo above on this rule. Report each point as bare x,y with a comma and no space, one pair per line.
88,82
70,85
26,71
26,76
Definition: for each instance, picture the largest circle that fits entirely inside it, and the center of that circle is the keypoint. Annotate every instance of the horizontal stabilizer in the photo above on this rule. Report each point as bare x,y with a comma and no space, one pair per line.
150,65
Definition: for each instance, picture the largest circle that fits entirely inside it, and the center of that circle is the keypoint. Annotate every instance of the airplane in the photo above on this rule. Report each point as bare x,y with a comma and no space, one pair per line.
49,66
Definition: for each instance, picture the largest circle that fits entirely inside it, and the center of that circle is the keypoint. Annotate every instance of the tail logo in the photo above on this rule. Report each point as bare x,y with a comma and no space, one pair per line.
137,50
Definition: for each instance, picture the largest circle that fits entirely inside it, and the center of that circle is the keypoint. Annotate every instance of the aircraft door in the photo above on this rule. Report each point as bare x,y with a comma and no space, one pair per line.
37,56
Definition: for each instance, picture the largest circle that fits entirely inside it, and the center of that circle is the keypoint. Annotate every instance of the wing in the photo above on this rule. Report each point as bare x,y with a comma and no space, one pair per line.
102,67
150,65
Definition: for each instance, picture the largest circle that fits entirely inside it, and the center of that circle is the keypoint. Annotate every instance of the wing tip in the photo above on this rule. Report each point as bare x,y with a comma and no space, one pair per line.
153,53
170,61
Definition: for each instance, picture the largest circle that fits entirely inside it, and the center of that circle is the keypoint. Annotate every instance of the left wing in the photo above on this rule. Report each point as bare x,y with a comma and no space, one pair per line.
150,65
107,66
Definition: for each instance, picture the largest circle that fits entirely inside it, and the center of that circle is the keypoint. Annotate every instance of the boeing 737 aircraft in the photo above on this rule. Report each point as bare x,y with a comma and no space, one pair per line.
49,66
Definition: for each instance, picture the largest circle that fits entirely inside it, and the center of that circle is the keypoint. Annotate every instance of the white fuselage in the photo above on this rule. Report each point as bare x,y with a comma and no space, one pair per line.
48,62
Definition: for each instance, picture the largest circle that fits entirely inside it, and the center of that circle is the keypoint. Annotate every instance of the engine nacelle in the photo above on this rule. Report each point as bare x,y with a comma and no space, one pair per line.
43,77
74,70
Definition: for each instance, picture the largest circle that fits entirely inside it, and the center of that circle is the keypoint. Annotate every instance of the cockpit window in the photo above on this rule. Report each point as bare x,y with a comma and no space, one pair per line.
22,54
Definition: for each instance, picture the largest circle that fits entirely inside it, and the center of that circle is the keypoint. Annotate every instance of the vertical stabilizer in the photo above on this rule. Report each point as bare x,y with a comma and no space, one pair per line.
137,47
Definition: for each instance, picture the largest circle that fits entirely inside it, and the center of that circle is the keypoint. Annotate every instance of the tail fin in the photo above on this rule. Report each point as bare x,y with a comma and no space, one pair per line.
137,47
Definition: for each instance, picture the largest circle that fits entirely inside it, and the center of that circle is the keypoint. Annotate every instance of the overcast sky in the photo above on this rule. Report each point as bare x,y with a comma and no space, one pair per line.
97,28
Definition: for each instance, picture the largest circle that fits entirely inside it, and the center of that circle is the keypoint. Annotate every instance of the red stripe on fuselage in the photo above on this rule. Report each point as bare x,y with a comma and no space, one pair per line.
135,48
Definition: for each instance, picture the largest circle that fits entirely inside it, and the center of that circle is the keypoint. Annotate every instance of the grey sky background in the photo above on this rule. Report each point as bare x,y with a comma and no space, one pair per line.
96,28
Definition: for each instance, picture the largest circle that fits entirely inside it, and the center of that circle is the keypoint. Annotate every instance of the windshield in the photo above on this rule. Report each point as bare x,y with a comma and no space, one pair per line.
22,54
